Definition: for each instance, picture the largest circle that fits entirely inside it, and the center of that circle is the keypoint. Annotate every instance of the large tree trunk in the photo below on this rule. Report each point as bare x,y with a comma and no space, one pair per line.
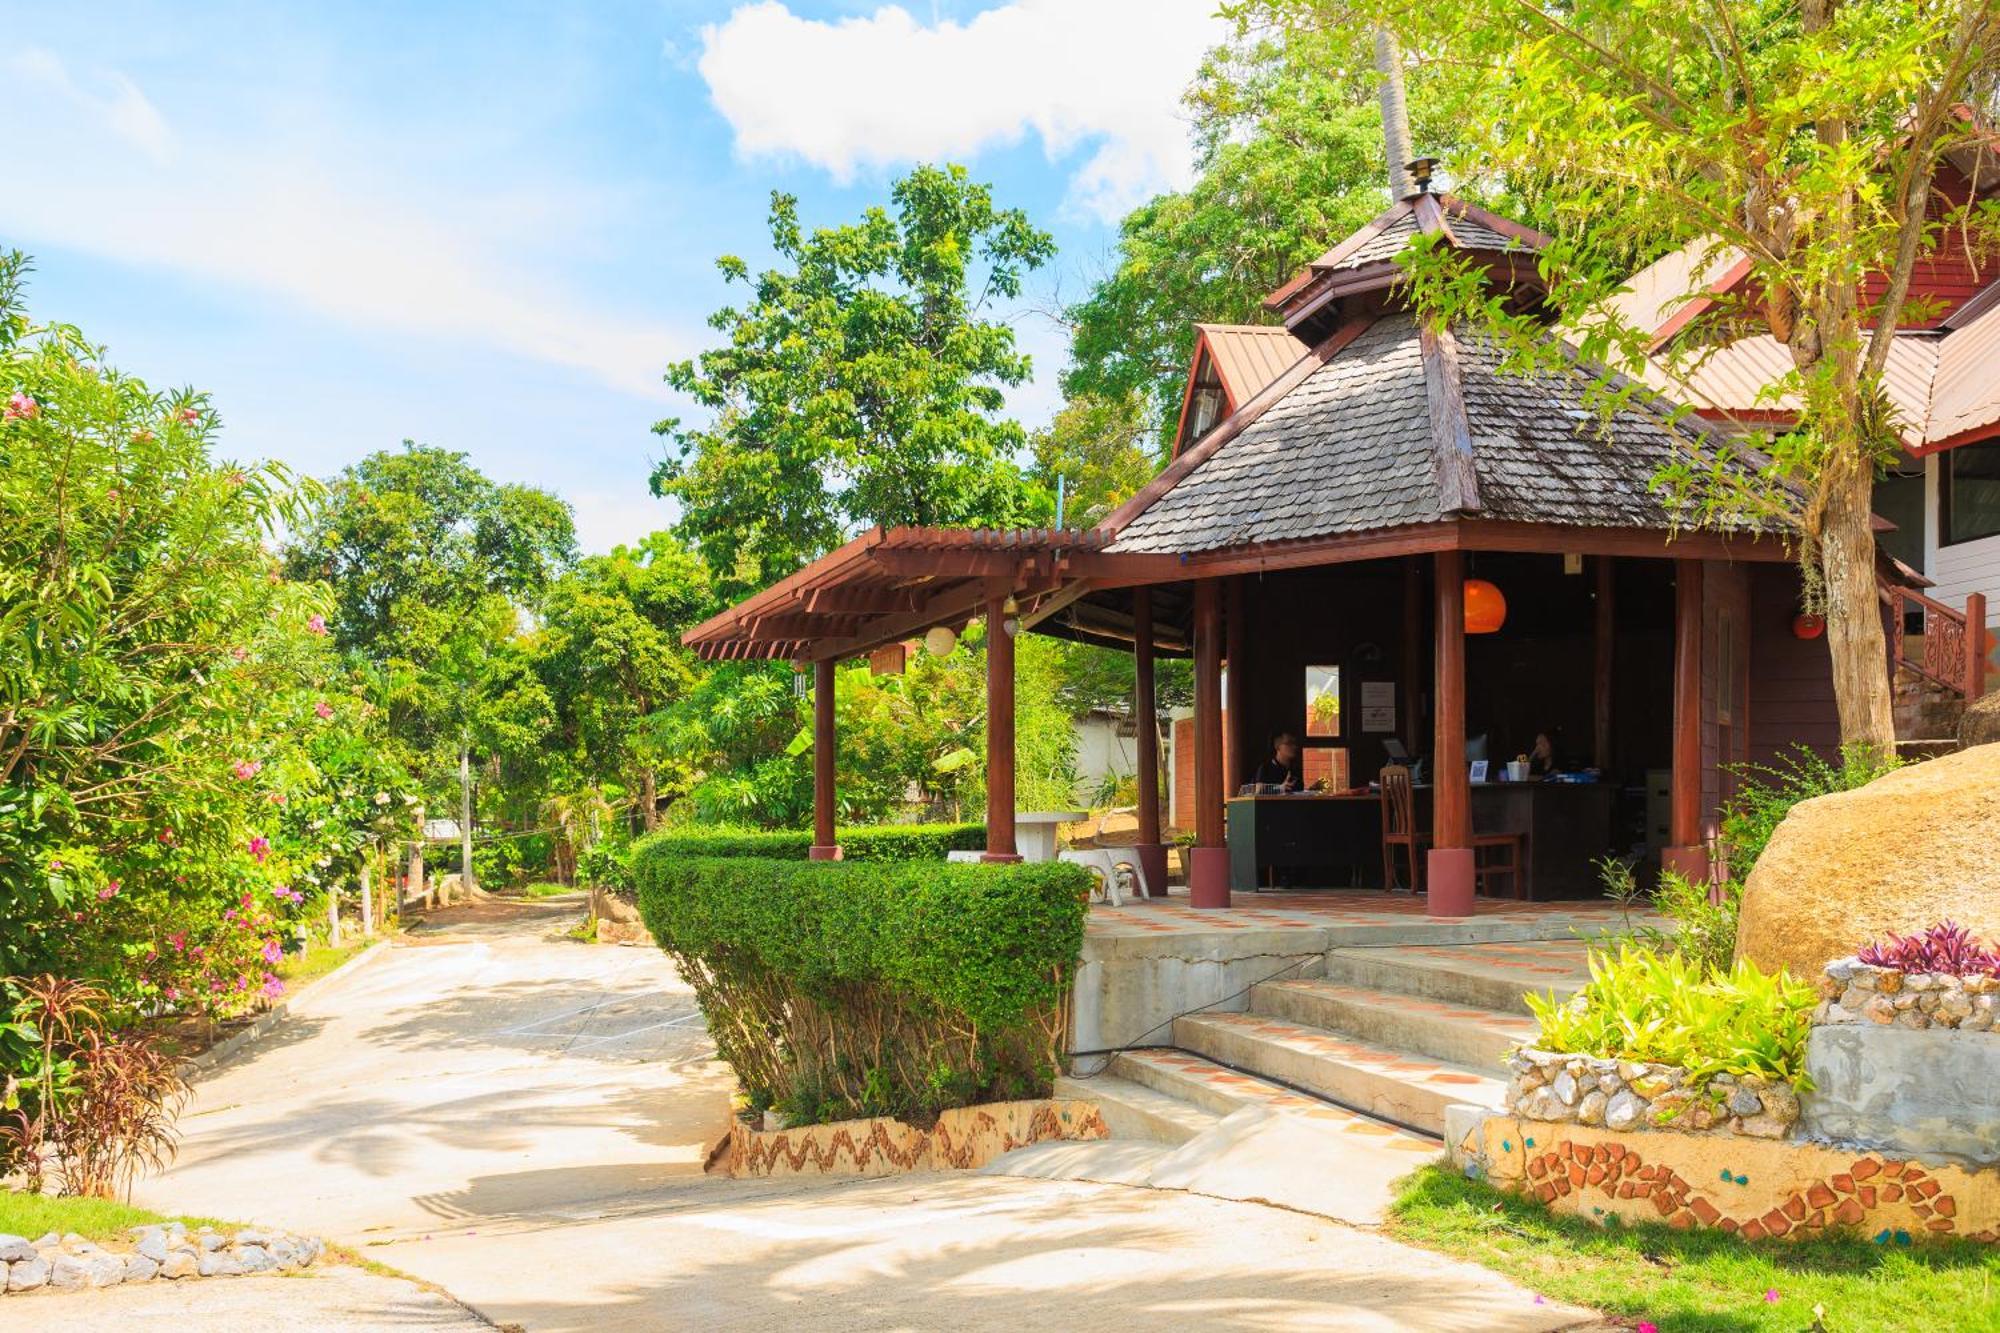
649,800
417,861
1854,628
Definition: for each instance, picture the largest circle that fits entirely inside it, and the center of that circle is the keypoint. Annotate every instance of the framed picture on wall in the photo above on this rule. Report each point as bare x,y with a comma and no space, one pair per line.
1479,770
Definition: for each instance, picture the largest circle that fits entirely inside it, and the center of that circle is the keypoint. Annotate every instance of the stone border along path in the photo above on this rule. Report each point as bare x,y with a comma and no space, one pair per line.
159,1250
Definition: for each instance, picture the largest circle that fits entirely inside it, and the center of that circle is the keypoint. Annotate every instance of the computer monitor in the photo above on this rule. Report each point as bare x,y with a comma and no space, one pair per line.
1395,750
1475,748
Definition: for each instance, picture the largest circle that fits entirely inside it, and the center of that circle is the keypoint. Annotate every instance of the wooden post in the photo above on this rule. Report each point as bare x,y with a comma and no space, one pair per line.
466,879
1208,859
826,742
999,732
1152,853
1449,871
1684,851
1413,655
1606,628
1237,740
368,892
1975,646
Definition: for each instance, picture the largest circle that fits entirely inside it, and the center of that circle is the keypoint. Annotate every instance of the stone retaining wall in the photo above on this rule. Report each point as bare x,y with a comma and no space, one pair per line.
1857,992
964,1138
1629,1095
167,1251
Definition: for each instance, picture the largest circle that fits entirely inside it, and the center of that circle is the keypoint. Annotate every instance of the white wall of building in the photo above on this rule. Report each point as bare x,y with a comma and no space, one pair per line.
1963,567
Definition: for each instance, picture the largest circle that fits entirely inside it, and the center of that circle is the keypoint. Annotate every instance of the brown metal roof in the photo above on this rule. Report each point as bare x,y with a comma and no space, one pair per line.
889,583
1249,356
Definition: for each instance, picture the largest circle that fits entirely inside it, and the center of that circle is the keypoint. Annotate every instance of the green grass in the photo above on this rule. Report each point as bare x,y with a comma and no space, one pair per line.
295,970
34,1215
1701,1280
546,890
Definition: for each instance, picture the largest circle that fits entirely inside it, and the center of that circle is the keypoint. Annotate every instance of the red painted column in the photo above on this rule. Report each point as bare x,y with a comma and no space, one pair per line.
825,751
1684,851
1236,739
1152,853
1448,871
1208,859
999,733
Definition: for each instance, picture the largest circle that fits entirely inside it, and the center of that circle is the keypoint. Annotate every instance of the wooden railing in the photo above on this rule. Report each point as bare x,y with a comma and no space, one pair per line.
1954,643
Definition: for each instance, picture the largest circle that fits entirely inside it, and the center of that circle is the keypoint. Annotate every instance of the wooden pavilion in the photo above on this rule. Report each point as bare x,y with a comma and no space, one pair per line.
1330,521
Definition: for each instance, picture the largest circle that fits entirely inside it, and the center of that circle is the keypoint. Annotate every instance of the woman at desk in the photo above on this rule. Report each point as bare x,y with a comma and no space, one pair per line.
1281,770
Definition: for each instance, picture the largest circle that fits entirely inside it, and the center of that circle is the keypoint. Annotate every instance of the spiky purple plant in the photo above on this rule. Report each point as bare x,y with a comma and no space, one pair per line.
1946,947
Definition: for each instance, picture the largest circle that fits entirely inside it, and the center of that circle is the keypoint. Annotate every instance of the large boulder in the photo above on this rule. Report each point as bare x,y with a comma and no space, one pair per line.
1980,723
1909,849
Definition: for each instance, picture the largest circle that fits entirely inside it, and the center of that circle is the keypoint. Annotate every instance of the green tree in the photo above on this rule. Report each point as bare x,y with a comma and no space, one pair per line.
609,654
862,382
1802,135
1099,451
1289,160
432,565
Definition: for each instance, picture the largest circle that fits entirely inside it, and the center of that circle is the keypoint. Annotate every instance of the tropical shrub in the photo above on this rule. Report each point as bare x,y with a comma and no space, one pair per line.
607,866
1665,1008
842,989
879,842
1701,918
88,1109
1769,791
1946,947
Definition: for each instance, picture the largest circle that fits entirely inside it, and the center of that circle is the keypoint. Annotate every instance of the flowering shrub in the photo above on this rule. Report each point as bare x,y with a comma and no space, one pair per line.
1946,947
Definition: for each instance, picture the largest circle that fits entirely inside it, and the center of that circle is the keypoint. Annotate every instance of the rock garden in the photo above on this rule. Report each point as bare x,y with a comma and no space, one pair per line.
166,1251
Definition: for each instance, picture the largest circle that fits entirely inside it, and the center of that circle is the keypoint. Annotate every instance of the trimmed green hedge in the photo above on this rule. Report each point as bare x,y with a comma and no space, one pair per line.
878,842
842,989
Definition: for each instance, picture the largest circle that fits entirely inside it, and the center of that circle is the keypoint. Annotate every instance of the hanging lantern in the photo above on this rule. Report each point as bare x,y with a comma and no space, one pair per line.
939,640
1806,625
1485,607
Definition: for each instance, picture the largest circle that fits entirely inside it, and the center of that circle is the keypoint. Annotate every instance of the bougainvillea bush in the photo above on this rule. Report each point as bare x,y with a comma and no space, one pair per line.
178,765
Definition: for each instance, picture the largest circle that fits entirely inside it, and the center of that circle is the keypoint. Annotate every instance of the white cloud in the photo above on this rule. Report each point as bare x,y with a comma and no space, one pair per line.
885,89
316,222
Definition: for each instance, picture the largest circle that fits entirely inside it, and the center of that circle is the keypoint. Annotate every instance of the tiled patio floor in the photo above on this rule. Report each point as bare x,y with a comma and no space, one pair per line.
1401,914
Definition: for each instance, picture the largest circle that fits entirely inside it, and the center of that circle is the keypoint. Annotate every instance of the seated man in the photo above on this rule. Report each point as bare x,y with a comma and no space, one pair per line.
1281,770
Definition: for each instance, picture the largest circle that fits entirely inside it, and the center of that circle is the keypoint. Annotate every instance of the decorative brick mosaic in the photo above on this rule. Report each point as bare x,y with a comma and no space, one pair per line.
962,1139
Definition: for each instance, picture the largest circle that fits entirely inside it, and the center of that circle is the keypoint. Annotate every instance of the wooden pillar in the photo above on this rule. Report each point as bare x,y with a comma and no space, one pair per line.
1975,646
999,732
826,751
368,892
1684,851
1152,853
416,885
1602,752
1413,656
1237,741
1208,859
1449,868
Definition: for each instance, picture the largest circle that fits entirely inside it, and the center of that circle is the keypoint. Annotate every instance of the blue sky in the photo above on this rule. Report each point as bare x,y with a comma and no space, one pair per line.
488,226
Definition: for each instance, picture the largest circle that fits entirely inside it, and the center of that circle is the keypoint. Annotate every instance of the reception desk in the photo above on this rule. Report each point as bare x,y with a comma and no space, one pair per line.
1335,840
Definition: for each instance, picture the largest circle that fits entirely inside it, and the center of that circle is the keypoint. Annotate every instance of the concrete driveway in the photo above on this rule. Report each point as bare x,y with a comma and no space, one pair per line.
522,1120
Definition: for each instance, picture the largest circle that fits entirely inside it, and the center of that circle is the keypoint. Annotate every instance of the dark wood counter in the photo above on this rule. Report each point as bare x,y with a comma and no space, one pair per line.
1335,840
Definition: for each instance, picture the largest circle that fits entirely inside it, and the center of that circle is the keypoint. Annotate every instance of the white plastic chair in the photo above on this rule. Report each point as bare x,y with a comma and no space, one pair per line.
1102,863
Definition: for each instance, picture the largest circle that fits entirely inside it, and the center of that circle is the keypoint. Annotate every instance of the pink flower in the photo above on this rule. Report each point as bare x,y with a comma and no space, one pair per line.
245,769
20,406
173,993
323,710
188,414
108,891
235,479
166,835
1771,1296
141,435
1645,1326
240,654
276,798
273,951
260,847
316,623
273,987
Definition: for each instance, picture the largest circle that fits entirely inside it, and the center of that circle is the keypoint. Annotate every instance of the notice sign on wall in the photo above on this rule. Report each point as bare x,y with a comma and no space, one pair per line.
1378,705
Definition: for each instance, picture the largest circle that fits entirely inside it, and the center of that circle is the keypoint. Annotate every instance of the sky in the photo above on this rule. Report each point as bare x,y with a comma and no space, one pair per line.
490,225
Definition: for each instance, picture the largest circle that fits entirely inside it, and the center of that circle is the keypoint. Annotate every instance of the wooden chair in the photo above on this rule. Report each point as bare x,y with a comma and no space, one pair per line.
1399,829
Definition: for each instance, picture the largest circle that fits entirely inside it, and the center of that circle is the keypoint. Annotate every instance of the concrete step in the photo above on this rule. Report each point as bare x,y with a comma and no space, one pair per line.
1462,1034
1395,1085
1476,976
1207,1086
1134,1110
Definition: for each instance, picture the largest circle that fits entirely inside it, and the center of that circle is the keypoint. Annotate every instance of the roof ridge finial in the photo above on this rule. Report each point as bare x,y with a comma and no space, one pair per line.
1395,116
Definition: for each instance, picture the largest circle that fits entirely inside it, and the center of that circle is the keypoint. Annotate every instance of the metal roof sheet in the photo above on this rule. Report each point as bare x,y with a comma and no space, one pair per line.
1249,356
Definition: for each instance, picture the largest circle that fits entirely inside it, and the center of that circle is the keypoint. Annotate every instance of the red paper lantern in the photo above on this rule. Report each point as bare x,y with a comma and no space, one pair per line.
1485,607
1806,625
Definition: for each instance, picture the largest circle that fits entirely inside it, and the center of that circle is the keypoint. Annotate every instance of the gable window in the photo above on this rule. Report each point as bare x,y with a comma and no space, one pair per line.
1969,493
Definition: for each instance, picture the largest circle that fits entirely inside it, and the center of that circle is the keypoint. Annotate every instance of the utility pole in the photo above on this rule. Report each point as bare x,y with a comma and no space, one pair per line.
368,892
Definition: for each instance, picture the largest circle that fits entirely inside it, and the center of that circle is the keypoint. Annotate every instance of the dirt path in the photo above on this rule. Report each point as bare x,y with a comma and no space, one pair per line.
521,1119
